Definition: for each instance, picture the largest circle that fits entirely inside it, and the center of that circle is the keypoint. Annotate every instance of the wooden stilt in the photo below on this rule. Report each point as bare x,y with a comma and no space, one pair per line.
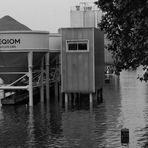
42,108
60,96
56,92
56,79
90,98
56,88
98,95
31,125
70,99
66,98
101,95
91,101
30,67
42,79
47,76
66,101
74,99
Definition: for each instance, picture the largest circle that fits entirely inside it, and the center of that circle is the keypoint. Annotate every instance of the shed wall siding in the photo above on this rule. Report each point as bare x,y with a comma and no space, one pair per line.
77,72
99,58
77,67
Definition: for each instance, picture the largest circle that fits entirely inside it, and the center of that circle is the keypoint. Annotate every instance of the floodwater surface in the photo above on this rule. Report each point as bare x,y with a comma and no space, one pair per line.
49,125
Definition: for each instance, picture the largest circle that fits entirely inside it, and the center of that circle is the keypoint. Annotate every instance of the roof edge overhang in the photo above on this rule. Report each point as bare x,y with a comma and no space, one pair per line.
24,32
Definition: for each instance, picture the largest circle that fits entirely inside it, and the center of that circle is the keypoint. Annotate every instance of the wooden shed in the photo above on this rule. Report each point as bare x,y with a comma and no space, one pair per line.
82,60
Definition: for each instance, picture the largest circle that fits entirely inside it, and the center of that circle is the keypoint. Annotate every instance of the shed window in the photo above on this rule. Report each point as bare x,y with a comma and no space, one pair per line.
82,46
77,45
72,46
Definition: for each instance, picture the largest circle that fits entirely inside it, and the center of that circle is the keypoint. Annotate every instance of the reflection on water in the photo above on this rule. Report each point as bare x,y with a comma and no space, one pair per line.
81,126
134,97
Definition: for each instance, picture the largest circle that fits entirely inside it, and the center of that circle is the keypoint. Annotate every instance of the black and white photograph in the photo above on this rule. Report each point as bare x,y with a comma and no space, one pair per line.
74,74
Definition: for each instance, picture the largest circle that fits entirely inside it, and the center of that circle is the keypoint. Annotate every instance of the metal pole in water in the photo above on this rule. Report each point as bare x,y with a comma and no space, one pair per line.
90,101
66,101
42,79
56,82
90,98
66,98
47,75
30,61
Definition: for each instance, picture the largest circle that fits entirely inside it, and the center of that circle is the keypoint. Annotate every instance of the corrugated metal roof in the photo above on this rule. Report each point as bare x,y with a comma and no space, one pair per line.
7,23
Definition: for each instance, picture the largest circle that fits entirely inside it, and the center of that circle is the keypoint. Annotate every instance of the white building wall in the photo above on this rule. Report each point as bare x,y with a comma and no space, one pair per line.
55,40
84,16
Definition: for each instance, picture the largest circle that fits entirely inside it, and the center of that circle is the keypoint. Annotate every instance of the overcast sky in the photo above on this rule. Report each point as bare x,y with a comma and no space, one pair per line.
48,15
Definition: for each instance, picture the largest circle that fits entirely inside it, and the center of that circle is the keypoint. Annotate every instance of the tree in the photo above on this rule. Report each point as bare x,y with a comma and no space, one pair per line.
125,23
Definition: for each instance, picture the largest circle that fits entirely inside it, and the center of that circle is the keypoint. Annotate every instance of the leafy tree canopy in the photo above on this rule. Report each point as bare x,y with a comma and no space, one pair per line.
125,22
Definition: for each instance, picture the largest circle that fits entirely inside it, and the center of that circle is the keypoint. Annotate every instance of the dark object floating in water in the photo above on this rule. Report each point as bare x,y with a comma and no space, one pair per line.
125,136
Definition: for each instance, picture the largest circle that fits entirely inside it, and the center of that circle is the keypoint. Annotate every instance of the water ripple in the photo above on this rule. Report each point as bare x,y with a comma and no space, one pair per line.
51,126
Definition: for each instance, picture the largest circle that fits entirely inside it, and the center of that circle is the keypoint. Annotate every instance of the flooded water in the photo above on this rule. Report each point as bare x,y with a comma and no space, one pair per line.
51,126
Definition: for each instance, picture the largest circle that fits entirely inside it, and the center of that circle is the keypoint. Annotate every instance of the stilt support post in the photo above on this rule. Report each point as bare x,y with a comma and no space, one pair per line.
30,67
